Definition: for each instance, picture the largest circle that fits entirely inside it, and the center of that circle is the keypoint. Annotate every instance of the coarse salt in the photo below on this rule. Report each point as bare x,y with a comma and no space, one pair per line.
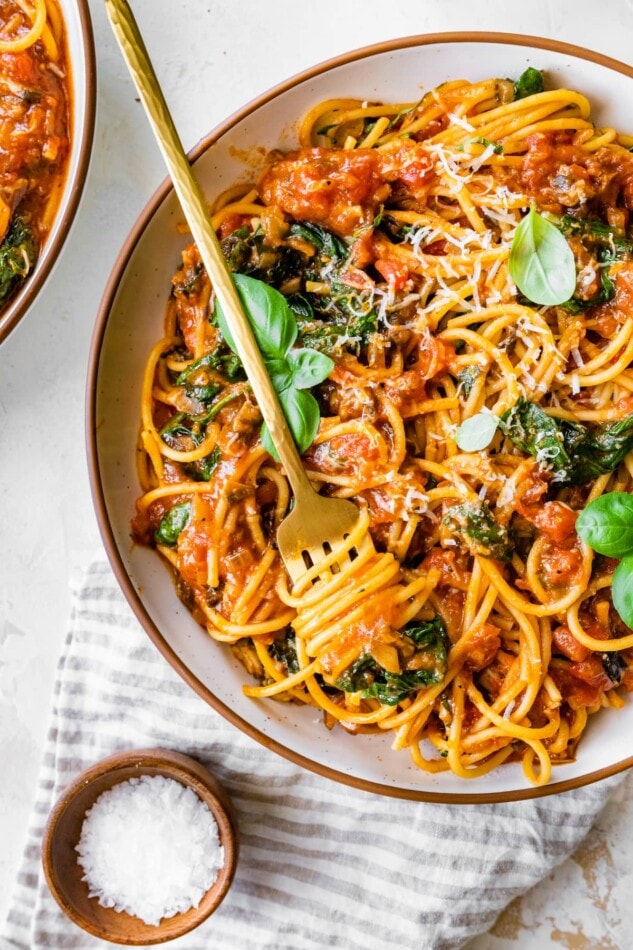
150,846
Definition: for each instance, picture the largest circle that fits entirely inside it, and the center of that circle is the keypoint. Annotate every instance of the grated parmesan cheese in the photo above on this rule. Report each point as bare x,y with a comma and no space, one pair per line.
149,846
459,120
577,358
480,160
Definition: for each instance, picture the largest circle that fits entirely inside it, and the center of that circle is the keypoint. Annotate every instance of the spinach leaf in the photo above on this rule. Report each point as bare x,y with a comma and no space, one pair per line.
173,523
246,252
576,453
202,469
176,428
18,256
360,675
226,363
284,651
541,261
366,676
347,332
215,409
189,279
596,235
606,524
529,83
203,393
429,635
595,451
466,378
327,243
392,688
536,433
184,425
607,292
301,307
476,524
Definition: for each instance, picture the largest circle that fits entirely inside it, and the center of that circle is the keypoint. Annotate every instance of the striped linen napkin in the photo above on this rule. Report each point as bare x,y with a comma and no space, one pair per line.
321,864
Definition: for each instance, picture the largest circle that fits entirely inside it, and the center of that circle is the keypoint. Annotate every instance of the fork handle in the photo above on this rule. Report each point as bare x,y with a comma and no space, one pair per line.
196,213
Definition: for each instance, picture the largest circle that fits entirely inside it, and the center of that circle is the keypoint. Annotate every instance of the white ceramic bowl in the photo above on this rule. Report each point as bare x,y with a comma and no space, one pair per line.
131,320
83,80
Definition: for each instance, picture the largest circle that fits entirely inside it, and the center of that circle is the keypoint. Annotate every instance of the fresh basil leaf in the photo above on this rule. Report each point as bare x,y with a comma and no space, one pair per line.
173,523
280,372
271,319
477,433
302,415
541,261
622,590
309,367
529,83
606,524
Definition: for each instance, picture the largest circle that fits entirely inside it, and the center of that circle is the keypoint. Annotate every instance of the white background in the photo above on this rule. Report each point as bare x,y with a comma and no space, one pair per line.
211,58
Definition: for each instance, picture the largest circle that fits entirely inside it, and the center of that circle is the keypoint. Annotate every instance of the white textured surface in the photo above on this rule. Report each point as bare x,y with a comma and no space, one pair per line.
212,57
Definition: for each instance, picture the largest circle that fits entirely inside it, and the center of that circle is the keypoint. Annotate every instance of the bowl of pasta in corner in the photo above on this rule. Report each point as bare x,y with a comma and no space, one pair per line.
448,261
47,113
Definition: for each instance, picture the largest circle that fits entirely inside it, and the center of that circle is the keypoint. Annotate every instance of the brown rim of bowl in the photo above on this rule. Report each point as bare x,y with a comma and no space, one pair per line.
425,39
25,297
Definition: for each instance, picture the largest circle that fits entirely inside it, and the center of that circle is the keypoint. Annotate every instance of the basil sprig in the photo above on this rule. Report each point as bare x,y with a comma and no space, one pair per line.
292,371
606,525
622,589
541,261
477,432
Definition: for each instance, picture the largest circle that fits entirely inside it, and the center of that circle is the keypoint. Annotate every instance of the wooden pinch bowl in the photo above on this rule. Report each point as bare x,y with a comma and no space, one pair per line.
64,873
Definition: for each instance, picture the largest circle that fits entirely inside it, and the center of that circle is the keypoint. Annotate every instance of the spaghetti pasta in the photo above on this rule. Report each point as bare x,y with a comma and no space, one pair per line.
478,628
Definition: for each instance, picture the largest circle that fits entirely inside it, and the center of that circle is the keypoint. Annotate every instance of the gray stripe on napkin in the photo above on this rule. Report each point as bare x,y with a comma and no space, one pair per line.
321,865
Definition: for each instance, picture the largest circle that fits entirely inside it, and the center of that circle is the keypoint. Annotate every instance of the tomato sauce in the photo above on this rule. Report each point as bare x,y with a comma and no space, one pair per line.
560,176
344,190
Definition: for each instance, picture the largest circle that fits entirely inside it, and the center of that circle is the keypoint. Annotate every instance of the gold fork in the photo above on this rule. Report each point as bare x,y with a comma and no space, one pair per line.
316,529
